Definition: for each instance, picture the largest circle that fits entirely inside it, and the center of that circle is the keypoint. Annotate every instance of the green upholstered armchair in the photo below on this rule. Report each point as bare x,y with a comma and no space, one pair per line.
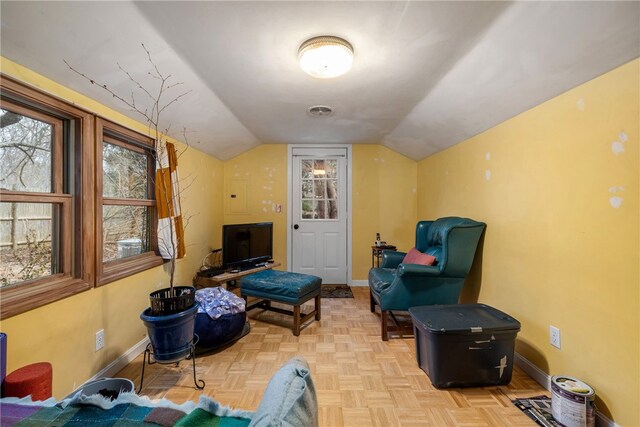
395,286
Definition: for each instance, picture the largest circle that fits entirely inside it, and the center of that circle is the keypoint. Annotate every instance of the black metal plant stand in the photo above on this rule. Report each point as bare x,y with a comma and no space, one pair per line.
146,359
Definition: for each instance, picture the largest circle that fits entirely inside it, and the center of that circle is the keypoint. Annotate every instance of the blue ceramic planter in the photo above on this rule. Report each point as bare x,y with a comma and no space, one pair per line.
170,335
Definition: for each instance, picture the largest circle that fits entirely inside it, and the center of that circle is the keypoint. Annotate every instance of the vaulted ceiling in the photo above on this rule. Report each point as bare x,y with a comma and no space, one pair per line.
426,75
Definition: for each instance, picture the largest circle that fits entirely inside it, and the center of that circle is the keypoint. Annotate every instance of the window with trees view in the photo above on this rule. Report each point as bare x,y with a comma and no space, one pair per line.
127,221
30,148
45,237
77,204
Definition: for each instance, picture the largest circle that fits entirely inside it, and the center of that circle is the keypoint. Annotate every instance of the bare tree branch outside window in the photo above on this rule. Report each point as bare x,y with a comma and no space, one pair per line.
25,228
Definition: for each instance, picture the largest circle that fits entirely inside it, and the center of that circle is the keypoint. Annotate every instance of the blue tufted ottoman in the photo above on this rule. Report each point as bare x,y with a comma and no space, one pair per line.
283,287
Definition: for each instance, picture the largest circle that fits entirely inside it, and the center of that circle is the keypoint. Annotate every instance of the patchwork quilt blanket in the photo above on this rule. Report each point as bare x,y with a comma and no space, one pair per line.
128,409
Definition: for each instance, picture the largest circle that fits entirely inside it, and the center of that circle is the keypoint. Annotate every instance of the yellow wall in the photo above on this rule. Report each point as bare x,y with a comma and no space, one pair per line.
384,197
258,178
384,200
63,332
558,249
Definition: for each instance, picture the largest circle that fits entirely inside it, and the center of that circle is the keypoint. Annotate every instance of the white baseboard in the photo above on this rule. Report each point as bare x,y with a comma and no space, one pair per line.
533,371
544,380
359,283
117,365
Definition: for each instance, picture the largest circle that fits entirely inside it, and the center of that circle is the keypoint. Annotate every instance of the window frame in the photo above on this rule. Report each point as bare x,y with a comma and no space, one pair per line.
106,272
72,188
56,196
77,180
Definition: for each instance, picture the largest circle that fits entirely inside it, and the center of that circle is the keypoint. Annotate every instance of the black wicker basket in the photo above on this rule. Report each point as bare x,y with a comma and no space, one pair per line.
164,303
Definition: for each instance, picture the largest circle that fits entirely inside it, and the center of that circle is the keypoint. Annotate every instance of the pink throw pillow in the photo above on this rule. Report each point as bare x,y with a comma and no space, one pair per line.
414,256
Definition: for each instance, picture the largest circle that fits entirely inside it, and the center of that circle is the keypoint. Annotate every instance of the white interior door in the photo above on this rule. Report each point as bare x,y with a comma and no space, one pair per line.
319,213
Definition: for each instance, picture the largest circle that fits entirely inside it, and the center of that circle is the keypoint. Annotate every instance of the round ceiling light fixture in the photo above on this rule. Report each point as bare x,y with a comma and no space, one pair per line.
325,57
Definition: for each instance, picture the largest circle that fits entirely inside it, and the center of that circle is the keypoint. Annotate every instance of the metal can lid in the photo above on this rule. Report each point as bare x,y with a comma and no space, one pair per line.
572,385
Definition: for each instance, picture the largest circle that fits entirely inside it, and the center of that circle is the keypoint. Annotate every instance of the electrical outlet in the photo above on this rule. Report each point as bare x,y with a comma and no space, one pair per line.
99,339
554,336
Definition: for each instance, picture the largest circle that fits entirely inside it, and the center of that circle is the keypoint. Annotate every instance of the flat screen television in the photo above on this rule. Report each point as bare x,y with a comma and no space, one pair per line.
246,245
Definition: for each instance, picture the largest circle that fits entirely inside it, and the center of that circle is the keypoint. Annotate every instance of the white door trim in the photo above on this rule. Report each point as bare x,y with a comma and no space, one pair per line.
290,148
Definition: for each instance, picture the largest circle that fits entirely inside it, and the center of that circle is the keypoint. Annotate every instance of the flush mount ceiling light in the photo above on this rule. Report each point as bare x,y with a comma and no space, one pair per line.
325,57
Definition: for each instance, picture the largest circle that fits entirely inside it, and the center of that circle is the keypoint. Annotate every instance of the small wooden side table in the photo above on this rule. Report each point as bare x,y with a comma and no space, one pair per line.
376,254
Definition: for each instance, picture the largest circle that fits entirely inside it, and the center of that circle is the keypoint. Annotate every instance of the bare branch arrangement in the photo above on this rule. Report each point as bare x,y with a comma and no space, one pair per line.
159,102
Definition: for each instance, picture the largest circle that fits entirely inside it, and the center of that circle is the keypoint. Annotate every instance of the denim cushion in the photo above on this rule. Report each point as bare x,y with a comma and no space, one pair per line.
284,286
290,398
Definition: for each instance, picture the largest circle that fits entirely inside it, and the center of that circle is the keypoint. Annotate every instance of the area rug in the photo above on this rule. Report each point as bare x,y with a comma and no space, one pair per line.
128,410
336,291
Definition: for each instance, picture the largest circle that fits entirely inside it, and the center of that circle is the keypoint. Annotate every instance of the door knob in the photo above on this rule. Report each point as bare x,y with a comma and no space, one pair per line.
296,226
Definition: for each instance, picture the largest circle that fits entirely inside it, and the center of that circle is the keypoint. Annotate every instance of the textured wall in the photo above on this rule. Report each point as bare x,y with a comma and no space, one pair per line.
258,179
384,201
558,189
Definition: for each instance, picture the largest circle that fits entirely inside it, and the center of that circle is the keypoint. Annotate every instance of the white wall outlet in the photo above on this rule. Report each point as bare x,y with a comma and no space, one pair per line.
99,339
554,336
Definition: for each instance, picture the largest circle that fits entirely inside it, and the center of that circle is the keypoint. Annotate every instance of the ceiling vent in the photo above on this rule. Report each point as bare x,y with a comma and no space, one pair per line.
320,111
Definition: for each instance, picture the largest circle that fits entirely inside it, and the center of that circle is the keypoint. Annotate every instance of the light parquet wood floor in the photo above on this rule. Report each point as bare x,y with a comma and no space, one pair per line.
360,380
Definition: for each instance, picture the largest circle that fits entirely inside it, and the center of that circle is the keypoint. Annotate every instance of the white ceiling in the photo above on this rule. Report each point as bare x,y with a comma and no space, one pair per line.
426,75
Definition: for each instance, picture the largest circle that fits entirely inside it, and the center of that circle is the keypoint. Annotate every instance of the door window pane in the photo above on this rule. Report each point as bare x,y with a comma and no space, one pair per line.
28,244
331,168
318,169
124,231
307,168
319,212
307,209
332,209
124,172
319,189
332,189
307,189
25,153
314,209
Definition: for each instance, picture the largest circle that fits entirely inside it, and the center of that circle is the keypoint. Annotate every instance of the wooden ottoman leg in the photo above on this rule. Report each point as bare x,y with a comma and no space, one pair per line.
296,320
318,313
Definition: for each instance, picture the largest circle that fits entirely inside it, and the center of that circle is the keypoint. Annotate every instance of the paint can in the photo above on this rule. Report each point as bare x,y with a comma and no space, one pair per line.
572,402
